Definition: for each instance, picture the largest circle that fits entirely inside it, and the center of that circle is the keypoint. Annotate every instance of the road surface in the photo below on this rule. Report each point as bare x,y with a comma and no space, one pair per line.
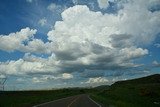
74,101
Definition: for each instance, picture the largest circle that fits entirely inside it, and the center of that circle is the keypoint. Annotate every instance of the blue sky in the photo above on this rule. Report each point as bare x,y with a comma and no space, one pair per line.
76,43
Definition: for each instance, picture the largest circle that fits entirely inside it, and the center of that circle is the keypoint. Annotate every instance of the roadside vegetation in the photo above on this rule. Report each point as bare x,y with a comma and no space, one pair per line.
143,92
31,98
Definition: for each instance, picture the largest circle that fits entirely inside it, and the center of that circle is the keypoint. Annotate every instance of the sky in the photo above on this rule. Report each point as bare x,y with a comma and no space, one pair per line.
47,44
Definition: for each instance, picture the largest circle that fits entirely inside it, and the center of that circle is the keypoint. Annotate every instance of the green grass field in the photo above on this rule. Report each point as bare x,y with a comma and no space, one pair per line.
30,98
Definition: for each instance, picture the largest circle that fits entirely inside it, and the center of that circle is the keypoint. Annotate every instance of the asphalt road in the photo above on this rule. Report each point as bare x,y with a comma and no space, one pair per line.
74,101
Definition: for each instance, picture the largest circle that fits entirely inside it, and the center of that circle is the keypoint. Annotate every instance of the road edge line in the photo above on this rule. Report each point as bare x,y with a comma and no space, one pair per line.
94,101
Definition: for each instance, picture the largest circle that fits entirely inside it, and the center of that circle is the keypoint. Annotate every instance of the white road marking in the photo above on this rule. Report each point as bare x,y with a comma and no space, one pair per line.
72,102
94,102
69,104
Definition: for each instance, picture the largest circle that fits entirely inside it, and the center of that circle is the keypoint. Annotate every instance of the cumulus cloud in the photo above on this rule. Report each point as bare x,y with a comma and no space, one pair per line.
103,4
20,67
35,46
14,41
30,64
93,42
24,41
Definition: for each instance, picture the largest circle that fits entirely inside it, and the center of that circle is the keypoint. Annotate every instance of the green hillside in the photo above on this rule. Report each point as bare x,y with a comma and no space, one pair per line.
145,80
142,92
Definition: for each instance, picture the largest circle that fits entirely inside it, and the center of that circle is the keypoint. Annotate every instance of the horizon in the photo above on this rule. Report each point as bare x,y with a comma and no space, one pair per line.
85,87
77,43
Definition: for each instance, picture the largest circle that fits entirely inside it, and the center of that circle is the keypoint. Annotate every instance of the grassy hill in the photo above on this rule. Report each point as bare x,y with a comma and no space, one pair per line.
144,80
142,92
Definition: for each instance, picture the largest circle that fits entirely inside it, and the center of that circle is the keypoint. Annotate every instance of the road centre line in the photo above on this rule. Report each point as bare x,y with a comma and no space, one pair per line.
52,101
73,101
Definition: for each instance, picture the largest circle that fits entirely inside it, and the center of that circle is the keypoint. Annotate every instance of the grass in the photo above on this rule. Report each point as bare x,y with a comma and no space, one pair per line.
144,92
30,98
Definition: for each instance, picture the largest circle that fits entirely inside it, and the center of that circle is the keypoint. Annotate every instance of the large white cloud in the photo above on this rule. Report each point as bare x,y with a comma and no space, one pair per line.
36,46
24,41
13,41
101,40
21,67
